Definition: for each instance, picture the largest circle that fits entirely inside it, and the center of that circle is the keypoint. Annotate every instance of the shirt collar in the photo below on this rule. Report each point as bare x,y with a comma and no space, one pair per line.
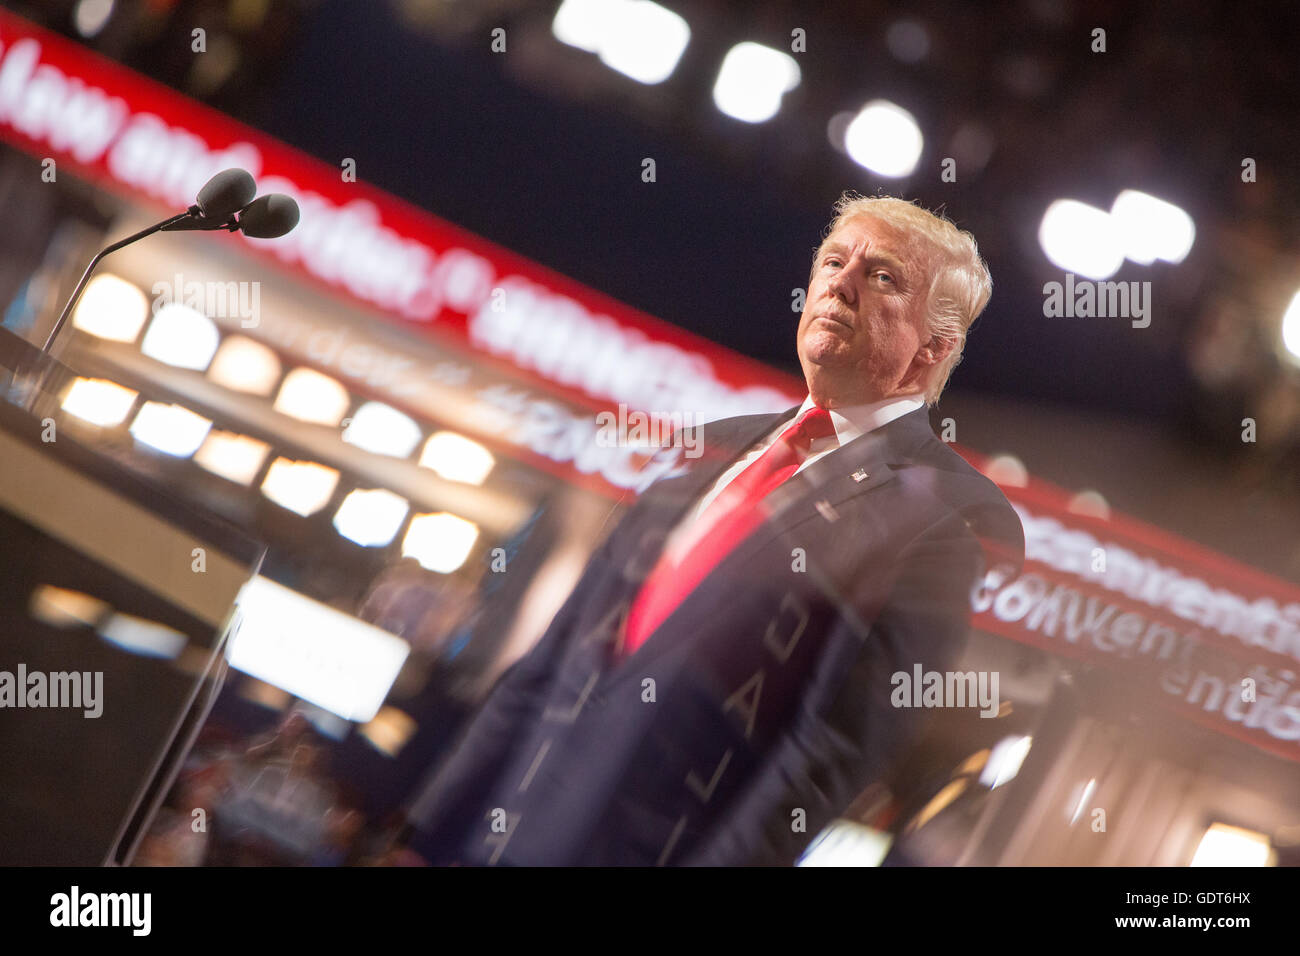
852,421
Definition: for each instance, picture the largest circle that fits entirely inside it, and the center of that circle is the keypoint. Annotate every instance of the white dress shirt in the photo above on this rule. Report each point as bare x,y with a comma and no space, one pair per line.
850,422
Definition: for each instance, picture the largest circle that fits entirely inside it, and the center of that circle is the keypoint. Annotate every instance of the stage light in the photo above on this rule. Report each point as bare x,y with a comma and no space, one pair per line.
457,458
64,608
112,308
142,636
1081,239
243,365
939,802
171,429
383,430
99,401
234,457
884,138
637,38
181,336
586,23
1291,330
648,44
847,843
91,16
752,80
1223,845
440,542
1085,794
837,127
1006,470
1090,503
1005,761
309,396
370,518
389,730
302,487
972,146
314,651
908,40
1151,228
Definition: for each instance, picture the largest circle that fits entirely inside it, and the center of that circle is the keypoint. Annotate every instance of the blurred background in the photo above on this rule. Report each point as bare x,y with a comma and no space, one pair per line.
517,215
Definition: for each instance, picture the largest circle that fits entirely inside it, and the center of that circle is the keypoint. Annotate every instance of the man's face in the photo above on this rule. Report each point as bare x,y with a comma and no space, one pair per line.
863,322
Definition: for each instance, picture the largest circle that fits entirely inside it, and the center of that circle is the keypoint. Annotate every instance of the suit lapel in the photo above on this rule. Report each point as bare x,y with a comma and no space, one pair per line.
856,469
721,443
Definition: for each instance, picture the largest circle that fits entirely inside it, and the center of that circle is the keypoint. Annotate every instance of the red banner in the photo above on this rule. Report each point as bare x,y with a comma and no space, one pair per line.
1214,640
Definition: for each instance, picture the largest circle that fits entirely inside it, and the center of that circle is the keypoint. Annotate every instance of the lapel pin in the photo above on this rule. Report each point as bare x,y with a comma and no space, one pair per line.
861,475
827,511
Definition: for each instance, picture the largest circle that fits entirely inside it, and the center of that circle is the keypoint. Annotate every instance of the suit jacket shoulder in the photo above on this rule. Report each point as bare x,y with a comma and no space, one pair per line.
966,490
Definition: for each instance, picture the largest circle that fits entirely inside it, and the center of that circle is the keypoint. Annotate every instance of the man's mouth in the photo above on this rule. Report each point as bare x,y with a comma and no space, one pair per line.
836,320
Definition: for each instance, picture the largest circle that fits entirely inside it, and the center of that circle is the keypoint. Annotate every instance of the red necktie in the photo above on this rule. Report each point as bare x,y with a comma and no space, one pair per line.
727,521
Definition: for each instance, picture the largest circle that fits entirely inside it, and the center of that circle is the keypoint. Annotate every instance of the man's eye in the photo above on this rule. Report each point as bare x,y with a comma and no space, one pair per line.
886,276
832,261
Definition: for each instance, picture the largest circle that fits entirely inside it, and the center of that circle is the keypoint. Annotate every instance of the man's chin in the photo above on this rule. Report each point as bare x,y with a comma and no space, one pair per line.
828,352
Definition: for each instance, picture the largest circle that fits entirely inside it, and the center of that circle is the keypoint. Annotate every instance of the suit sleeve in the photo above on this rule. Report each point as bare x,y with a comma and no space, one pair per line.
453,799
832,751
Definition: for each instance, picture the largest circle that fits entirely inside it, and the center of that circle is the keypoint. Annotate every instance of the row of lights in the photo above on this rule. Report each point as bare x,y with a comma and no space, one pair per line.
115,309
645,41
1094,243
369,517
183,337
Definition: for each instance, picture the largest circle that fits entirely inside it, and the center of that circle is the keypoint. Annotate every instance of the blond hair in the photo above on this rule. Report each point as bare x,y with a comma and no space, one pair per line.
960,285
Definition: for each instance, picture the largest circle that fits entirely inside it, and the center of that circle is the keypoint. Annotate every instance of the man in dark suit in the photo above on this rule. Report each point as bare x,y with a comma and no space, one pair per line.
718,687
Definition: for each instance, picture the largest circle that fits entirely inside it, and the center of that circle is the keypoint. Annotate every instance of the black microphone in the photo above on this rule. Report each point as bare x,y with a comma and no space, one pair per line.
226,193
221,197
268,217
225,202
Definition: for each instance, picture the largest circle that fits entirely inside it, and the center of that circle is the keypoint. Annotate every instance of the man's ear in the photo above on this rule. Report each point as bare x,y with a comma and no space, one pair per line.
936,350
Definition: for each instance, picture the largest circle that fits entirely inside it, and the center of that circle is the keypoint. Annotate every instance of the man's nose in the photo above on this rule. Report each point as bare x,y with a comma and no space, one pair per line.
841,285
